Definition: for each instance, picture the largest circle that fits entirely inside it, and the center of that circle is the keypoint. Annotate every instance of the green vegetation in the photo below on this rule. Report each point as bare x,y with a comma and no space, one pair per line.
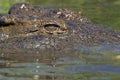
5,4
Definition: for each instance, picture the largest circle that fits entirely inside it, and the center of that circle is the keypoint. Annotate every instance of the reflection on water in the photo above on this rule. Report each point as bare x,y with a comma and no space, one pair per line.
59,66
36,66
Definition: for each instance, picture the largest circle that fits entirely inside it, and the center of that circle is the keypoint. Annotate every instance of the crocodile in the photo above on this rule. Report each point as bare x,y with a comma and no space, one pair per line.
27,28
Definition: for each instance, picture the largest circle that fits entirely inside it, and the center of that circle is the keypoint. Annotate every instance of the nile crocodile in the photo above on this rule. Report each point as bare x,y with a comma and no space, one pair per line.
29,27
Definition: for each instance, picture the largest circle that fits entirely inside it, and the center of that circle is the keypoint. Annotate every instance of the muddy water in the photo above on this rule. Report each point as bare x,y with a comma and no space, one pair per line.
67,65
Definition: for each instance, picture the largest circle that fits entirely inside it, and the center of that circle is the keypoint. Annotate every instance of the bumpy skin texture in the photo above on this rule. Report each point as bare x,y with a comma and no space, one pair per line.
28,27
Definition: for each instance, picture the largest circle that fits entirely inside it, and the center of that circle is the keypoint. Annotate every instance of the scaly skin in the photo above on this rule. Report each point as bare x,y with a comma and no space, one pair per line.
31,27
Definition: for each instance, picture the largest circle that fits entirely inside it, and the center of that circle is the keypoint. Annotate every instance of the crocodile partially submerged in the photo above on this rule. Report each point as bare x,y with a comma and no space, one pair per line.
33,28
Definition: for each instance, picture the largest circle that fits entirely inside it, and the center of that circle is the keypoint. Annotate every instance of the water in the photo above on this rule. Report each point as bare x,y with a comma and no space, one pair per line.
60,66
70,65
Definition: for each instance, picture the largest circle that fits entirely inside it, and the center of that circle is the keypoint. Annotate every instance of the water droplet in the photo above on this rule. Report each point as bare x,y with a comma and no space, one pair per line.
36,77
37,66
37,60
2,54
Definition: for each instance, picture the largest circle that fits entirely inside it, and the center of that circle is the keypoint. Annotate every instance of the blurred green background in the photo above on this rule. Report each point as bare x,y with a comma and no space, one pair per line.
106,12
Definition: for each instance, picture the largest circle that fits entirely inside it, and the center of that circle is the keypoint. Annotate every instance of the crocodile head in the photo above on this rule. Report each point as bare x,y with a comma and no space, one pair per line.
33,28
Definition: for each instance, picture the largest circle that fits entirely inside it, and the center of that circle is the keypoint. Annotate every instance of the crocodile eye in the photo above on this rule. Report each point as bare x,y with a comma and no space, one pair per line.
51,27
